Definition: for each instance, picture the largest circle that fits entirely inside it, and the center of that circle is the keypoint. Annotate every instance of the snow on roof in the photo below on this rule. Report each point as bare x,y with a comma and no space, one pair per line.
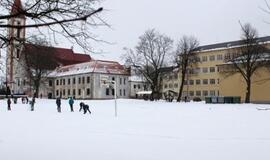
94,66
136,78
144,92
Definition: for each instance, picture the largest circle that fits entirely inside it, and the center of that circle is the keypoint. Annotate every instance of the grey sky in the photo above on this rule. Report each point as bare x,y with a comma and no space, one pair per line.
211,21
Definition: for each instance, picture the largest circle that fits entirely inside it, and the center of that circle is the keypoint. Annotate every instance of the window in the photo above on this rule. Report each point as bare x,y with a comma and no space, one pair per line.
74,92
205,93
88,79
124,92
205,81
88,91
113,78
64,82
64,92
83,80
18,82
50,82
170,85
107,91
57,82
204,58
18,33
191,93
79,92
120,92
120,81
212,81
69,81
212,69
18,52
175,85
124,81
185,82
61,82
139,86
198,81
74,80
219,57
134,86
212,58
79,80
205,70
24,82
68,92
175,76
198,93
57,92
212,93
165,86
113,92
191,82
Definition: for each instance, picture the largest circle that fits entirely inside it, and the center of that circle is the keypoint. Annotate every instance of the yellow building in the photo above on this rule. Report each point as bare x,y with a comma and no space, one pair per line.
206,79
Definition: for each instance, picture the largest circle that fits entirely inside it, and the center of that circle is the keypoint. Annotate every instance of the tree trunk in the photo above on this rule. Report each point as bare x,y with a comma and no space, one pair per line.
247,100
181,87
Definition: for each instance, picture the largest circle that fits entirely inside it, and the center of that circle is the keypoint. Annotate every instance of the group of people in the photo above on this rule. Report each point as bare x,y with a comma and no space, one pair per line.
32,102
83,106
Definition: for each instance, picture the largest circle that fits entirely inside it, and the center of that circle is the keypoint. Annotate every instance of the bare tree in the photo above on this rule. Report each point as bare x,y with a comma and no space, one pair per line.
248,58
150,56
185,57
39,59
72,19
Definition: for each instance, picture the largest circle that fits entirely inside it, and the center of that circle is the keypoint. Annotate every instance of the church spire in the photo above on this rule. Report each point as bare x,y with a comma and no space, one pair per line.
17,9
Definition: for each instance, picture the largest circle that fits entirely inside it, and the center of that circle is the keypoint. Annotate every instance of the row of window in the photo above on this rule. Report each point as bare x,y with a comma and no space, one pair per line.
139,86
194,82
203,93
67,92
211,58
109,91
79,80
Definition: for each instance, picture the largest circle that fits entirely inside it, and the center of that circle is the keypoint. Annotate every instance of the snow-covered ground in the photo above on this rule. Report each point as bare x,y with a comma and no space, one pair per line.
142,131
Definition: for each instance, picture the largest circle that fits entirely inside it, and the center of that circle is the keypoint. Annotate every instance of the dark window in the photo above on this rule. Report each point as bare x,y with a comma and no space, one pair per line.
88,91
61,82
68,91
88,79
79,79
74,92
64,92
18,52
124,81
212,69
50,82
198,81
64,82
107,91
113,92
134,86
191,93
24,82
139,86
198,93
57,92
120,81
18,33
212,58
191,82
120,92
124,92
205,93
205,81
74,80
79,92
68,81
83,80
57,82
113,78
212,81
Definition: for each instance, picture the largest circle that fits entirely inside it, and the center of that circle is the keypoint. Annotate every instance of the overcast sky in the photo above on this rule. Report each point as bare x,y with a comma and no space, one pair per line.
211,21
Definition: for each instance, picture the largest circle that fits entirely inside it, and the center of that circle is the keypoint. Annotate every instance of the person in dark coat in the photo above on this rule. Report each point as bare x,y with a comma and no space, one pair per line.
71,102
33,103
9,104
86,108
27,100
81,106
58,103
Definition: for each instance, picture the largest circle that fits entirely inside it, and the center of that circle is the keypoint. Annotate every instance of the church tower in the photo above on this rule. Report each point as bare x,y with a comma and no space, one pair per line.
17,36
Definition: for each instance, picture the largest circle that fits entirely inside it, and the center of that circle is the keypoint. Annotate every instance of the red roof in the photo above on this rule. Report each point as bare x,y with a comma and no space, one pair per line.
64,56
17,8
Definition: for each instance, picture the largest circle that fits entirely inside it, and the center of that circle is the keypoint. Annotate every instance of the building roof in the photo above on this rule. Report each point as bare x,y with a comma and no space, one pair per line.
17,8
62,55
230,44
94,66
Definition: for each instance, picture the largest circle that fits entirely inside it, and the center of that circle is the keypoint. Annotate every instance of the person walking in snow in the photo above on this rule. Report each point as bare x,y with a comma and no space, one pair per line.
81,106
71,102
86,108
58,103
32,103
9,104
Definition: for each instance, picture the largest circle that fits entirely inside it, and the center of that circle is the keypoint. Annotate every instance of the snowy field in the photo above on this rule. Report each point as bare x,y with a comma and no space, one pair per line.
142,131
